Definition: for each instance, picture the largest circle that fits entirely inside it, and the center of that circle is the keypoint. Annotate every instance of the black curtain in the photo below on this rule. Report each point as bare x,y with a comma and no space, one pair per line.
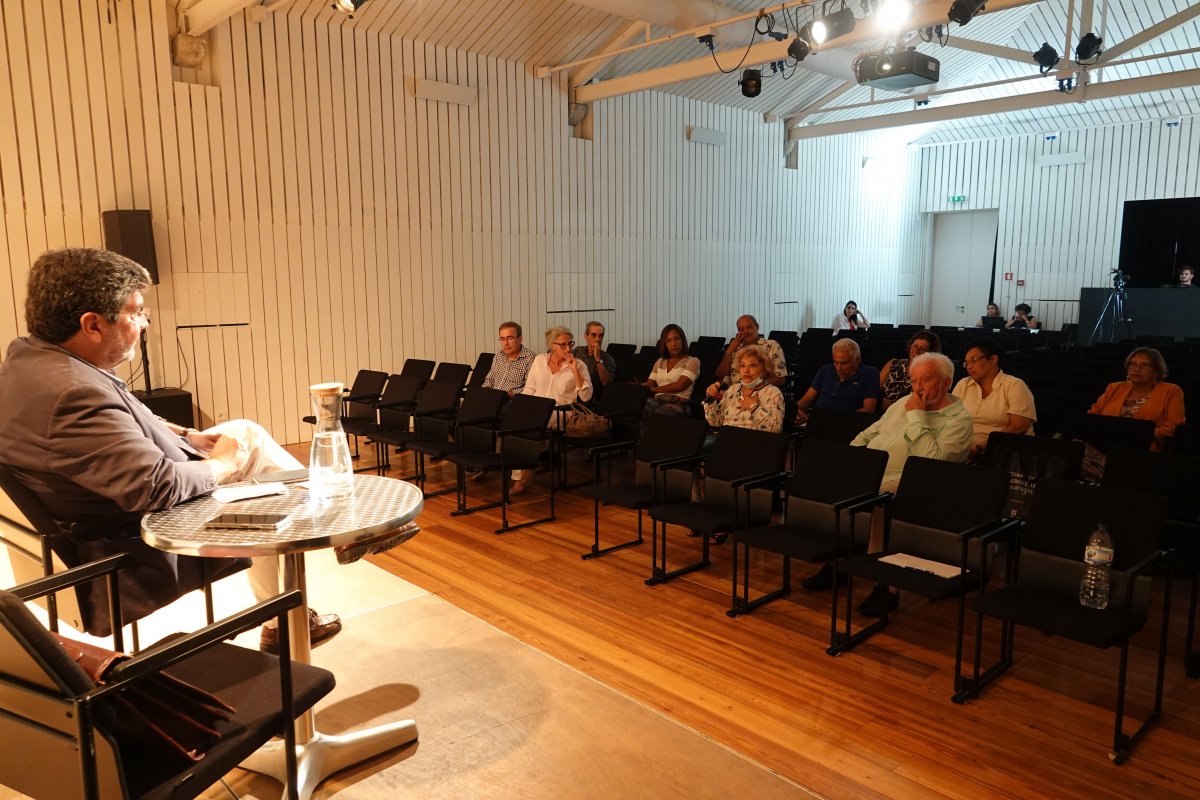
1157,238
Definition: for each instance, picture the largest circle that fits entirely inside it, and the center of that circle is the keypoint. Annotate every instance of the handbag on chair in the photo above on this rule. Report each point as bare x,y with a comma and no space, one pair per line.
583,423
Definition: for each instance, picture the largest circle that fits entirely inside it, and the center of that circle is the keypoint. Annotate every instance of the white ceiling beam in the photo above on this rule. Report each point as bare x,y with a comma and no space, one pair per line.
995,50
1151,33
924,16
202,15
1102,91
798,115
626,36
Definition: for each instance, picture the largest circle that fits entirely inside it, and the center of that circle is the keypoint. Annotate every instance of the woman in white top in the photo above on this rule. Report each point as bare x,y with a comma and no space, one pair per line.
556,374
995,400
674,372
752,402
850,319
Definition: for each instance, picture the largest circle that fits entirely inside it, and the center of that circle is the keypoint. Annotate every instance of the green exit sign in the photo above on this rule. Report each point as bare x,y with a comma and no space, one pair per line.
956,198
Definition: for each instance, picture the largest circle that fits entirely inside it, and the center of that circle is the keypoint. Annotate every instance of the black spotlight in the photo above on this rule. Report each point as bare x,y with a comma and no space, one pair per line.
831,26
799,49
963,11
1088,47
1046,57
751,82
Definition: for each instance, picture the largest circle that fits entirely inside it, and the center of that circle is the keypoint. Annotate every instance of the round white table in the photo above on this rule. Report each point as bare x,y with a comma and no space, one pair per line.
377,506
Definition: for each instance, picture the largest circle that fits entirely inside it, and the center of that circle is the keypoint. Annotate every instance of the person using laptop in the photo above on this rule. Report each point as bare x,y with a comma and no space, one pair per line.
992,318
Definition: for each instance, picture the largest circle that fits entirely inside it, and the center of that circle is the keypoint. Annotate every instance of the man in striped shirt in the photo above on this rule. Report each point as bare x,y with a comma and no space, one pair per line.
512,361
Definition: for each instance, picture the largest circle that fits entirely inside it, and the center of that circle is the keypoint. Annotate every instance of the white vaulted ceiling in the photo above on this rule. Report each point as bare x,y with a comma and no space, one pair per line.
548,33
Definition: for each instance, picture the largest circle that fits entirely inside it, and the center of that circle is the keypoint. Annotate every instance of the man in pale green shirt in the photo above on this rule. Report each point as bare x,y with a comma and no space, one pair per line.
930,422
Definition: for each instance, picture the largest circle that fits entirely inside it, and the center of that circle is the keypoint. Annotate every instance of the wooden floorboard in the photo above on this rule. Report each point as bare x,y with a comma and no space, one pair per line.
876,722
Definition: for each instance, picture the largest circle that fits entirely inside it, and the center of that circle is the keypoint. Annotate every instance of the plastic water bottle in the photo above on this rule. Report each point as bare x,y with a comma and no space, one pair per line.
1098,555
330,473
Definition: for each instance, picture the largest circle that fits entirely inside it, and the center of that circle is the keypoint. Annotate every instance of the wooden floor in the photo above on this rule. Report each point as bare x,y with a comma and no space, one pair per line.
877,722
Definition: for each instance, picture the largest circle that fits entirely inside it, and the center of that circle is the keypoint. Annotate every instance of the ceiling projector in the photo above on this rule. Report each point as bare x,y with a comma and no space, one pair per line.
895,71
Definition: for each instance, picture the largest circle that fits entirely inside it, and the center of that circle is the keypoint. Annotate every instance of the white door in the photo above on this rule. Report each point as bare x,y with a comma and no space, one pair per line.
964,246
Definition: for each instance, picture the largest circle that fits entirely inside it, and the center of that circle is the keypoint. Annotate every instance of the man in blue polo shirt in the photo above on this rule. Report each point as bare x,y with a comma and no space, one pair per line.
845,384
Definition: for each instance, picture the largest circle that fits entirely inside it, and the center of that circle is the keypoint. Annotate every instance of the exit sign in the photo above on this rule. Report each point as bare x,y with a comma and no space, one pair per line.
956,198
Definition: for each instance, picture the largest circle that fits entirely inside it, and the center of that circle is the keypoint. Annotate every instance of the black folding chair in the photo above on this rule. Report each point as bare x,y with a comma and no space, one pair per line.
944,516
738,457
1105,433
479,372
449,372
437,433
1028,459
667,438
399,428
1042,590
521,434
831,484
367,386
621,404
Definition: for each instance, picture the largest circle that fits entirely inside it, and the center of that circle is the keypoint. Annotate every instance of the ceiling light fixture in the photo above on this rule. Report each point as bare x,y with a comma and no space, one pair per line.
799,49
1088,47
963,11
1046,57
890,15
831,26
347,6
751,82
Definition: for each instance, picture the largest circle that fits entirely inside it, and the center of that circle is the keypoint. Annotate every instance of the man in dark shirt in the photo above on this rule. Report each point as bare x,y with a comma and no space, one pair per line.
846,383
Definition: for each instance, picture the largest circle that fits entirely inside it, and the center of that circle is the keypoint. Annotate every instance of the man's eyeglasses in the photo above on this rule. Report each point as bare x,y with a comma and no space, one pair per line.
974,359
509,338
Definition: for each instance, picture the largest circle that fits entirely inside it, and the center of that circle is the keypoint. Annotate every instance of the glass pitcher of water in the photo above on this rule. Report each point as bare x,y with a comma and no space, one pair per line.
330,475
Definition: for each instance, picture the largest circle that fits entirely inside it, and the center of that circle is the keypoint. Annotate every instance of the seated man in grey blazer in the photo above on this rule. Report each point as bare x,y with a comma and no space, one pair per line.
95,456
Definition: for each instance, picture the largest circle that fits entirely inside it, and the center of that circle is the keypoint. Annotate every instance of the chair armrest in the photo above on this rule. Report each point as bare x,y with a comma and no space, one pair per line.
862,502
475,421
71,577
770,480
397,404
358,398
752,478
162,656
604,448
433,412
1003,526
1147,562
985,528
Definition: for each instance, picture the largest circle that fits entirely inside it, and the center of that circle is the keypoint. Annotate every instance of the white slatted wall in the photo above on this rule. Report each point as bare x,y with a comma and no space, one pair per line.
1060,226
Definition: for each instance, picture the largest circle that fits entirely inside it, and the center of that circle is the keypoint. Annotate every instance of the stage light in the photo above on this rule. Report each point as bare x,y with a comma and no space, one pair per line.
892,14
1046,57
751,82
799,49
1088,47
831,26
348,6
963,11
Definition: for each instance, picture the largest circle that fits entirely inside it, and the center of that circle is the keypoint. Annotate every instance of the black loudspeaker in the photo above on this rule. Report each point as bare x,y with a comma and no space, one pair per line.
129,233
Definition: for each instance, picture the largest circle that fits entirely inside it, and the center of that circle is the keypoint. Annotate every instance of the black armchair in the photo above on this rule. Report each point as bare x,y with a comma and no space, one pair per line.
437,432
72,743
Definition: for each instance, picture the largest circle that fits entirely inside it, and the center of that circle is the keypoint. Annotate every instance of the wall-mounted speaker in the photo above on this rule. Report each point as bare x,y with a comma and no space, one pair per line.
129,233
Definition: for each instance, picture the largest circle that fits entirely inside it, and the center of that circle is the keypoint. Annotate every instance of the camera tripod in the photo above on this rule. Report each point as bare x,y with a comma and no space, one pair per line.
1114,312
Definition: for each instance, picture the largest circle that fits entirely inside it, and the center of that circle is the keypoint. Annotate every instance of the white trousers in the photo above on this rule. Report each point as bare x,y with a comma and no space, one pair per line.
266,455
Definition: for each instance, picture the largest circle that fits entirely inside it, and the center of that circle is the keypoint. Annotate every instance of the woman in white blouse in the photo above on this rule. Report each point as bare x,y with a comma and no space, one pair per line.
556,374
850,319
752,402
674,372
995,400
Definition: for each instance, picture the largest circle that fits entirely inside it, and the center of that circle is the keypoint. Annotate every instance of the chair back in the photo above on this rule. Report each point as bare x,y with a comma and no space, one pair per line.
27,531
399,389
449,372
669,436
826,473
937,500
526,411
479,403
366,389
1061,520
836,425
1105,433
37,683
417,368
1173,476
622,403
437,396
737,454
1186,440
1028,458
479,372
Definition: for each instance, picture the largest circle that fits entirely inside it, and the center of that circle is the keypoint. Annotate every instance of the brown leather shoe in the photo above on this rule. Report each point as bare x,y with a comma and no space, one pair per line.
321,628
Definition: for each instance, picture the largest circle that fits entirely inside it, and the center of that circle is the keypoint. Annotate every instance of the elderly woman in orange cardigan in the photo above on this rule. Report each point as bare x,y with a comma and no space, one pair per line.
1144,394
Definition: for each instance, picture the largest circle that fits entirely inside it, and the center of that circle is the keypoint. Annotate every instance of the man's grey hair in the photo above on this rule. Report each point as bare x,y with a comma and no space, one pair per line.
943,365
593,324
850,346
66,284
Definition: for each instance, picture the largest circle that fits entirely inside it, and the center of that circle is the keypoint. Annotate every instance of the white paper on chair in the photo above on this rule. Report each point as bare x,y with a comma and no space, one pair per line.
922,565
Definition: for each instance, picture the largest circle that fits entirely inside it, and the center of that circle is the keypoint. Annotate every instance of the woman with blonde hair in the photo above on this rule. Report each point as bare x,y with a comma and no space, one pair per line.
752,402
